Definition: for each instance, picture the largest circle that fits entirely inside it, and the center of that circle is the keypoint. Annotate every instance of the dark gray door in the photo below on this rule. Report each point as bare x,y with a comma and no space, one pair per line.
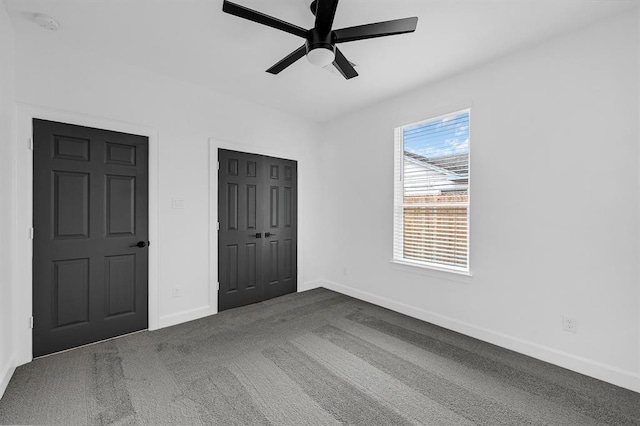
257,239
90,216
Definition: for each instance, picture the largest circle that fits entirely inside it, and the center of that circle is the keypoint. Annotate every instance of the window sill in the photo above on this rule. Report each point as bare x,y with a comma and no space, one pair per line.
430,271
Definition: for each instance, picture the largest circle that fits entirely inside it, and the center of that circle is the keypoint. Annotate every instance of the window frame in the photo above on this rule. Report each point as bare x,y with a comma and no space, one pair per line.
399,205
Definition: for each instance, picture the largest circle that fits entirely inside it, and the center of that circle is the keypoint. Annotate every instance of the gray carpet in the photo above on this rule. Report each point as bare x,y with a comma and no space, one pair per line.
316,357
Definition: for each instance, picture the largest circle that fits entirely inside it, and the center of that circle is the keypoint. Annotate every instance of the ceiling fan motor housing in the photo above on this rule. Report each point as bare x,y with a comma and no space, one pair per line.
316,40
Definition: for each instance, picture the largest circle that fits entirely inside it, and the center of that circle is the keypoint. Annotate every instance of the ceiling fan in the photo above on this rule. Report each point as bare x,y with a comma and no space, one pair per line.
320,41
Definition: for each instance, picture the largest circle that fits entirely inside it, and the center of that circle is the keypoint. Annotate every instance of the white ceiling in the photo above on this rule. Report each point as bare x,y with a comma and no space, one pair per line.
194,41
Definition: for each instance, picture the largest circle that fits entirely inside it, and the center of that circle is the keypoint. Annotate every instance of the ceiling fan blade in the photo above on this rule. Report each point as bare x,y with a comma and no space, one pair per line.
261,18
325,12
344,66
379,29
290,59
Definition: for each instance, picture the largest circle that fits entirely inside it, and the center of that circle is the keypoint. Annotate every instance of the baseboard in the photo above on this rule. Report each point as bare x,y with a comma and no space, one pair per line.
6,377
310,285
185,316
205,311
604,372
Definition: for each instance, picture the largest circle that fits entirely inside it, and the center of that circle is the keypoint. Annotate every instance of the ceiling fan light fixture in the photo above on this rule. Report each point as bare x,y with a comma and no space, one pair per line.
321,56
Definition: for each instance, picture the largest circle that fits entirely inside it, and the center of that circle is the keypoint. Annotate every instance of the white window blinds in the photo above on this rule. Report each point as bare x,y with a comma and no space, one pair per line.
431,200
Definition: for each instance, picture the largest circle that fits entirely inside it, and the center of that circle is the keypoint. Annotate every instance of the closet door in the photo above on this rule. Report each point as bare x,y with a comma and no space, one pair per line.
240,236
280,226
257,237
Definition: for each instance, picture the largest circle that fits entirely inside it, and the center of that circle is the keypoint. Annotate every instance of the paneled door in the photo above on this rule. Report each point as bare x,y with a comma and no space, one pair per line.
257,237
90,218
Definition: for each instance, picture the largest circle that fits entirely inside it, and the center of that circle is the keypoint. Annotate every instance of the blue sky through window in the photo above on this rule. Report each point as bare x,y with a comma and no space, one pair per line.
441,137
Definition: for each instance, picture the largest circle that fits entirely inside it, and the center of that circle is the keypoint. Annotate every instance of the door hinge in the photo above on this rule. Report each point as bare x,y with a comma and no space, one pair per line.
218,286
31,233
31,144
218,226
31,322
218,165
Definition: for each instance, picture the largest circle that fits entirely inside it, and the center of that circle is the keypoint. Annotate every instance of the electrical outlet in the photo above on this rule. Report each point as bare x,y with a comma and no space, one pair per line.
570,324
175,292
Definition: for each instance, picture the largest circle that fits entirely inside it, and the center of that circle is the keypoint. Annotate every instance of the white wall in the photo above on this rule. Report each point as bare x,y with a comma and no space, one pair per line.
7,118
184,117
554,203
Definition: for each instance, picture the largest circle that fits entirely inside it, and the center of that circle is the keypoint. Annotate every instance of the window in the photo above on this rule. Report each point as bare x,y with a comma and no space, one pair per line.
431,203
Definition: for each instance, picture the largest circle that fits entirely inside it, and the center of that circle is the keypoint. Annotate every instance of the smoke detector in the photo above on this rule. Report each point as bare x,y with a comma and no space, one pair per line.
46,21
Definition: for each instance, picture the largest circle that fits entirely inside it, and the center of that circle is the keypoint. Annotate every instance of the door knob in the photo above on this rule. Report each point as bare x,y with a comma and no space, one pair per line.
269,234
139,244
256,235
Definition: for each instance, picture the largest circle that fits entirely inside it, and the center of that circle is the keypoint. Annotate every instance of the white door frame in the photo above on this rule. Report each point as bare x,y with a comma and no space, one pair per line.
23,294
214,145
